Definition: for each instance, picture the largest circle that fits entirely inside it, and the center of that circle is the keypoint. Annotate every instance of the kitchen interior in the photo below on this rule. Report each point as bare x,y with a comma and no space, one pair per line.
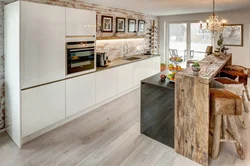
111,83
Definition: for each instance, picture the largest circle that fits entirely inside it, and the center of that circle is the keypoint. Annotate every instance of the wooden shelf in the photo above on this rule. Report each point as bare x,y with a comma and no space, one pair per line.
119,37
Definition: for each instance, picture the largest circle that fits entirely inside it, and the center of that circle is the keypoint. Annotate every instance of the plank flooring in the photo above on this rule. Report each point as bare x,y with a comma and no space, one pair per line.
107,136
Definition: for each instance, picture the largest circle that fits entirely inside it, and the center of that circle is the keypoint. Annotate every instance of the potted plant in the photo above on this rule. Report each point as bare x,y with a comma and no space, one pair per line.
196,68
163,66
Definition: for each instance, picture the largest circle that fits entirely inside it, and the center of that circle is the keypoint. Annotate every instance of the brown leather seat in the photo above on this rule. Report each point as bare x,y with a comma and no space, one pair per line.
225,80
223,102
233,74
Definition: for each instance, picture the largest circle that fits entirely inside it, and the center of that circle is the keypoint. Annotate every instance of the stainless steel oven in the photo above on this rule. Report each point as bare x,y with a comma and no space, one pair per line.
81,56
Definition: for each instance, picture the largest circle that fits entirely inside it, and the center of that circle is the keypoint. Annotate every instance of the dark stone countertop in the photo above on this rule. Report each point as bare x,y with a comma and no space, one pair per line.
156,80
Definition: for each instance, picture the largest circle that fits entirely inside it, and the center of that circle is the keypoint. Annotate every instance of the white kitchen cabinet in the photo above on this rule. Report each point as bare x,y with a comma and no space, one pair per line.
42,106
80,93
141,70
154,66
124,77
80,22
42,44
106,84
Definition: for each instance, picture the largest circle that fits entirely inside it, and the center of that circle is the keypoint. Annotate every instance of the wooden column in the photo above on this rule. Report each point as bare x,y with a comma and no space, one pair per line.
192,119
192,109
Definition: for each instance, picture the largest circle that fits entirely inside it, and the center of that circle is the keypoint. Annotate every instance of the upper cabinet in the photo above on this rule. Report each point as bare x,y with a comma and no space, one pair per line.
80,22
42,44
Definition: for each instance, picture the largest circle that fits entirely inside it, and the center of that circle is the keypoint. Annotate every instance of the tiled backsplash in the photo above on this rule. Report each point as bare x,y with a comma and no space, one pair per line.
113,48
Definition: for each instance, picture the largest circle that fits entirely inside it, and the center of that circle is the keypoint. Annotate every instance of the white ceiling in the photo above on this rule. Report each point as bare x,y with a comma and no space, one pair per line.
172,7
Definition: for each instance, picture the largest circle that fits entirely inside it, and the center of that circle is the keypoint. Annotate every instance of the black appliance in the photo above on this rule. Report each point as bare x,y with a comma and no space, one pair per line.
101,59
80,56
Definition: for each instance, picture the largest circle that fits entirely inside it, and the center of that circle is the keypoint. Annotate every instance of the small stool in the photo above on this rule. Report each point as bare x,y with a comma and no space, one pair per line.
234,87
236,71
224,106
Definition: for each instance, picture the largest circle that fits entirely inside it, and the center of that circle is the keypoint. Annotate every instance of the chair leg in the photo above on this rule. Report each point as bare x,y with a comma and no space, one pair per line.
246,89
244,102
236,137
216,137
242,122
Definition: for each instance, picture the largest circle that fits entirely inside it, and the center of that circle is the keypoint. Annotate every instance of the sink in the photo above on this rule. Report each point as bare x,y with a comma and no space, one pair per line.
132,58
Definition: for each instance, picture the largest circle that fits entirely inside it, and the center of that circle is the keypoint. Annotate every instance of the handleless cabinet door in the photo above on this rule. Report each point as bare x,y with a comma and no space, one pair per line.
124,77
140,71
106,84
42,107
80,22
154,65
80,93
42,44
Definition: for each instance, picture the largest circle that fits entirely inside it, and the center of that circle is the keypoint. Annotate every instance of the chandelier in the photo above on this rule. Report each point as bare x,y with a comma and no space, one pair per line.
213,24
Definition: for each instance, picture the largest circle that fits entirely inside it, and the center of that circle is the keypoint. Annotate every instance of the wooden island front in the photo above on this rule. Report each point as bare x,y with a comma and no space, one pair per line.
192,108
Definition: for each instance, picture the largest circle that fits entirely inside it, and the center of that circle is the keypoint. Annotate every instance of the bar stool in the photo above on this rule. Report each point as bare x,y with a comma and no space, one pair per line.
224,106
236,88
236,71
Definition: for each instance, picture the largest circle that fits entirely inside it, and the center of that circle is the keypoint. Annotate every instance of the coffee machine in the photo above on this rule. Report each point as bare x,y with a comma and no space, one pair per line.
101,59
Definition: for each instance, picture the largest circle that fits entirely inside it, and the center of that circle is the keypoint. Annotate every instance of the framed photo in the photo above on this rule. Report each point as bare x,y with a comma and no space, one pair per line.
107,24
131,25
233,35
141,25
120,24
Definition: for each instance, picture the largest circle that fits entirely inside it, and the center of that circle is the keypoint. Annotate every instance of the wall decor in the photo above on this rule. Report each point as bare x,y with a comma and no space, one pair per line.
107,24
141,26
131,25
233,35
120,24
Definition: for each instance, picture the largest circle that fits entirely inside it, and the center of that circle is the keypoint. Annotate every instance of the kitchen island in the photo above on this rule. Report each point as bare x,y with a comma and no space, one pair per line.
157,109
192,108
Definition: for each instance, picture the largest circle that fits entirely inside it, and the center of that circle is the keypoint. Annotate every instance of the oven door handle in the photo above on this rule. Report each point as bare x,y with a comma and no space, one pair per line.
85,49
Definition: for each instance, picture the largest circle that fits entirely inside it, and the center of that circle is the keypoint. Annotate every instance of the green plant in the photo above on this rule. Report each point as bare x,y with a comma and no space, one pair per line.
196,64
220,41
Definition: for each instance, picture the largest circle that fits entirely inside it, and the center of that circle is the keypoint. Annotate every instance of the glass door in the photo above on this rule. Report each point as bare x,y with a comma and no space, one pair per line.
177,40
199,41
186,41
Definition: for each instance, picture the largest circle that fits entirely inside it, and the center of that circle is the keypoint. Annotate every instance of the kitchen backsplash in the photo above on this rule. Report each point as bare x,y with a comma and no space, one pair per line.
117,48
114,48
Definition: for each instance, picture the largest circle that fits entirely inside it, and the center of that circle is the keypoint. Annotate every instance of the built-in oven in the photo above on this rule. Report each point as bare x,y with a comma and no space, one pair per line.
80,56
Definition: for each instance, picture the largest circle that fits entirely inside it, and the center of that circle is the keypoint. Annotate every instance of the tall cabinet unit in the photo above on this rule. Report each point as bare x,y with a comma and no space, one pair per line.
34,56
42,43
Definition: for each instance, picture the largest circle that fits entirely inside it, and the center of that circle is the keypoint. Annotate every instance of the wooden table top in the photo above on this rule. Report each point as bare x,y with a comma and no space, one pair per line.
210,66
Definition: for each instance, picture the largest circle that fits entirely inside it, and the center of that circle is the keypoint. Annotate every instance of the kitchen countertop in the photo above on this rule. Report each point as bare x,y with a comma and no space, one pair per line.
120,61
156,80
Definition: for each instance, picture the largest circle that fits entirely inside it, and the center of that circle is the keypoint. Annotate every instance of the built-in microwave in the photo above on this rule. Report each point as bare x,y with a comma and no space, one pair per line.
81,56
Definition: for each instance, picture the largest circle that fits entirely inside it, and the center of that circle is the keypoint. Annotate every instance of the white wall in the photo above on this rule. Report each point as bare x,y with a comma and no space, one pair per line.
241,55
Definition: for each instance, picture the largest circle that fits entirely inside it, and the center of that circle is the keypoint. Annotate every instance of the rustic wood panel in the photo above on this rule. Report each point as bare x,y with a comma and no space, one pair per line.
192,110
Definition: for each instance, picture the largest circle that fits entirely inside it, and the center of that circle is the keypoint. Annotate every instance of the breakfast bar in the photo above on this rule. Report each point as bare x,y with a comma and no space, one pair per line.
192,108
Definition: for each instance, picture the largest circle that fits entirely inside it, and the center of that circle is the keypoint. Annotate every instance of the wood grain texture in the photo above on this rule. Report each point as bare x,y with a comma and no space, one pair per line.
192,109
92,132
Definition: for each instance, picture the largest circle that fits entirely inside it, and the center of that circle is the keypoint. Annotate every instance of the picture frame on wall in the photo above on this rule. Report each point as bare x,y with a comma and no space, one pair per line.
120,24
141,26
233,35
131,25
107,24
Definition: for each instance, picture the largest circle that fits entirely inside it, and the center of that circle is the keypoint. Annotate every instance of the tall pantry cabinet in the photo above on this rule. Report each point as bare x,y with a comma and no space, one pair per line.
34,56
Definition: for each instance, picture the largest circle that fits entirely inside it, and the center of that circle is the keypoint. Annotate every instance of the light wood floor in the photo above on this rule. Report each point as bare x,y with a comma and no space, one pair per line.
107,136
